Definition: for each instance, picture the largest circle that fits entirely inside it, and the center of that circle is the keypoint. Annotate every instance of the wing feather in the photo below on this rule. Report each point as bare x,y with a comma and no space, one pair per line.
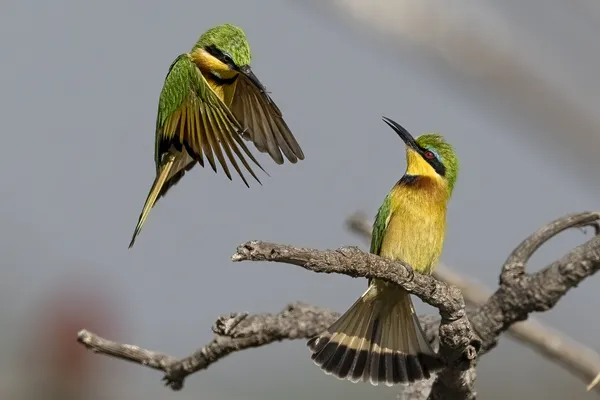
231,140
212,133
226,145
264,123
260,138
184,121
208,143
382,220
196,140
199,140
267,126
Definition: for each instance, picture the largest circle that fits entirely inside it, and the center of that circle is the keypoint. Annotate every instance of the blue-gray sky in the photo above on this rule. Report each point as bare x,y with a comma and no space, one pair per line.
80,84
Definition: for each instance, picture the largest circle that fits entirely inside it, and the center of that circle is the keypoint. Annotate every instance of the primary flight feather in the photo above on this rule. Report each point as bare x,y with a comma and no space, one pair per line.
210,101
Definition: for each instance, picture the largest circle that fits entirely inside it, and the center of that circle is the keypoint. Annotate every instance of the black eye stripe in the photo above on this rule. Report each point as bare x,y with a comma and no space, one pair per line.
220,55
425,152
435,163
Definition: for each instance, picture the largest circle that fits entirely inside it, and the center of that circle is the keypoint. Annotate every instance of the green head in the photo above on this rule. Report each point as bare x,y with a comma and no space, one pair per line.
428,154
228,43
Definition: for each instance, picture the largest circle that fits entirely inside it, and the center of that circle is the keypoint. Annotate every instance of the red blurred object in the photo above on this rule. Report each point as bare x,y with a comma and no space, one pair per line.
69,308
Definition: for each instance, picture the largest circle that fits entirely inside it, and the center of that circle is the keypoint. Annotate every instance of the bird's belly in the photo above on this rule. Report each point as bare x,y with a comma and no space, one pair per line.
415,237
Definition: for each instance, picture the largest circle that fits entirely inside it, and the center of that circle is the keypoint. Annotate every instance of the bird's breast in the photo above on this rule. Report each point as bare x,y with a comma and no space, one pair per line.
415,232
215,86
224,89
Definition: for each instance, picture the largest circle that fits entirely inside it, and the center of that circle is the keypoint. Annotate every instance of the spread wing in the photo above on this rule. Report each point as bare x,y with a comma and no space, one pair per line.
263,122
192,117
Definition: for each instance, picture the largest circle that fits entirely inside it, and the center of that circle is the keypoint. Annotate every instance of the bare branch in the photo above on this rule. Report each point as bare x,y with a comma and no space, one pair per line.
514,267
519,295
576,358
234,332
127,352
356,263
458,343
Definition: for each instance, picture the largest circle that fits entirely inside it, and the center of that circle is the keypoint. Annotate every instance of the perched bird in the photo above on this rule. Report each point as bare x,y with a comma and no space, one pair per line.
210,100
379,339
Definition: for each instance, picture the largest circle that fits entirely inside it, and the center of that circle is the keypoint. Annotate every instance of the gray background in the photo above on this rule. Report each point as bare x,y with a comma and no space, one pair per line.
79,86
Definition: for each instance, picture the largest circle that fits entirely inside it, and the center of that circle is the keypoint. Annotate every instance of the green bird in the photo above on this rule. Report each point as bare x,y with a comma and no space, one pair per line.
379,339
209,102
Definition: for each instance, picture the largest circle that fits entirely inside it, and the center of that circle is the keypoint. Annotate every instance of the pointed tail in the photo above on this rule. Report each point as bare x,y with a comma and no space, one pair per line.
158,184
379,339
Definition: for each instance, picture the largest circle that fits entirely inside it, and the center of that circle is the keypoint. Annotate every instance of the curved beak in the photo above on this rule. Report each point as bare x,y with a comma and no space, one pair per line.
247,71
403,133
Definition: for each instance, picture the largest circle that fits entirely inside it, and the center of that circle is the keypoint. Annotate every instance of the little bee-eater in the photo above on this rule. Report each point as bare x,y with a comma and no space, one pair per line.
210,101
379,339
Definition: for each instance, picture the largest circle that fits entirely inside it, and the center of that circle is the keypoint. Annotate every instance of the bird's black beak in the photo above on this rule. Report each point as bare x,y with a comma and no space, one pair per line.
403,133
247,71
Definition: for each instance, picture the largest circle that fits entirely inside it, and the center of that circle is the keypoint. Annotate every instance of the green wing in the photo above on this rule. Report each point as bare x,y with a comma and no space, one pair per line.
380,225
191,117
263,121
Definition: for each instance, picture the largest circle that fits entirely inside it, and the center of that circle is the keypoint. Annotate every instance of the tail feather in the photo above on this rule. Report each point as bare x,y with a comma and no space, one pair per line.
378,340
153,195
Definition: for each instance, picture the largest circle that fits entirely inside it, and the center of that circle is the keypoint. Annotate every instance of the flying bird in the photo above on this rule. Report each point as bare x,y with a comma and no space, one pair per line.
379,339
209,102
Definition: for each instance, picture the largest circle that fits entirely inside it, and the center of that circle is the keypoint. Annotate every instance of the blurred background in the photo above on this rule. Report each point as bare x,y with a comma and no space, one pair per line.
513,85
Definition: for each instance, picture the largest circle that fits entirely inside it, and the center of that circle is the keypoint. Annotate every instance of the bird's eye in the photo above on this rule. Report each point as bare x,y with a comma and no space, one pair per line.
429,155
227,58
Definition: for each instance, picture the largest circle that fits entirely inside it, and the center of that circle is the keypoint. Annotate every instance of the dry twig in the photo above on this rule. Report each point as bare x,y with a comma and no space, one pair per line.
460,338
233,332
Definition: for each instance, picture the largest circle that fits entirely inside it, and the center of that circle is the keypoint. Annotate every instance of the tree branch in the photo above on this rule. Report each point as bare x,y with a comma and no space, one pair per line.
519,295
458,342
234,332
580,360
